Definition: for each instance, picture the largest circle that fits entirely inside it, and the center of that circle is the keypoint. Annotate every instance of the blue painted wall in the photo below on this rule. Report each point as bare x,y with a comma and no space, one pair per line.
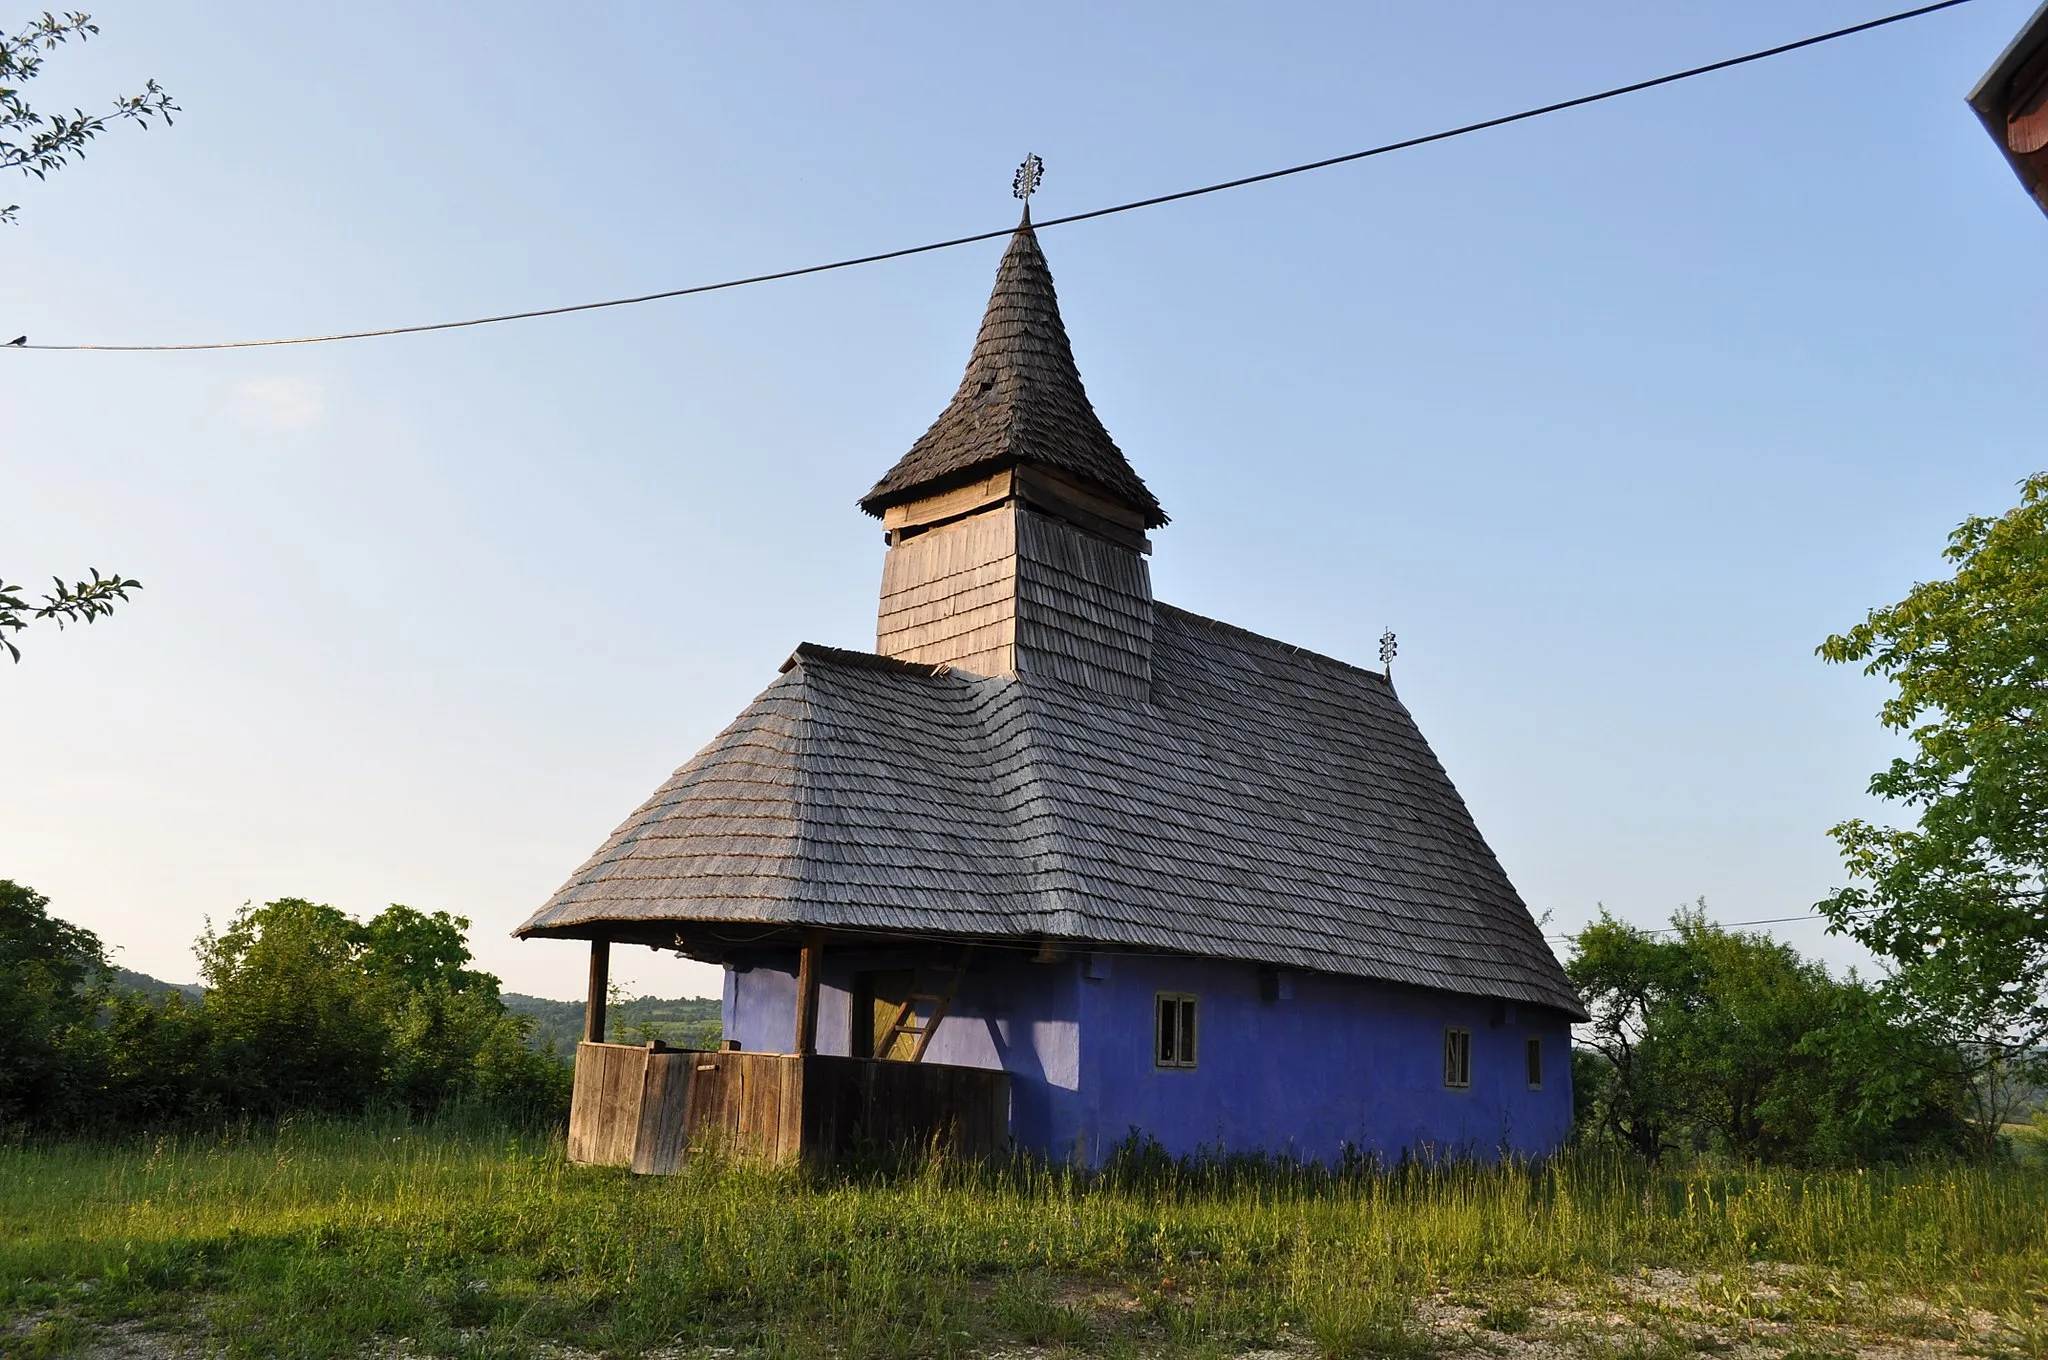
1330,1062
1333,1062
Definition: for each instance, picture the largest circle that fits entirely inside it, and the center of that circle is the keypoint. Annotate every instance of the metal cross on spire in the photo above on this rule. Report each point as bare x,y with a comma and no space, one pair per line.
1025,183
1388,648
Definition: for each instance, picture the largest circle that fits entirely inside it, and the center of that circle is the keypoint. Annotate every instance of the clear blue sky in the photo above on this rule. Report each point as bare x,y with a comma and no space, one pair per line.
1613,416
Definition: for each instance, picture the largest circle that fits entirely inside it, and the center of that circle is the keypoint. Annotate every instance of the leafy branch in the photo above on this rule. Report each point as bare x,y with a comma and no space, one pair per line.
1956,905
81,602
38,143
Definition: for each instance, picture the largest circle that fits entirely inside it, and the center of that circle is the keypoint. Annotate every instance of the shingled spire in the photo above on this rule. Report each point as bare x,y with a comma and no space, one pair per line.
1016,529
1021,403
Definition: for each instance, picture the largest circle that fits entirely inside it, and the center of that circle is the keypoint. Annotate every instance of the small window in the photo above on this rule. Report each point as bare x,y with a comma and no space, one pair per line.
1173,1030
1534,1049
1458,1057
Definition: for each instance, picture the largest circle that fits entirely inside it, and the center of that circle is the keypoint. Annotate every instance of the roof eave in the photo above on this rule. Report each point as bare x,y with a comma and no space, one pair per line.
2031,35
1985,99
883,497
707,939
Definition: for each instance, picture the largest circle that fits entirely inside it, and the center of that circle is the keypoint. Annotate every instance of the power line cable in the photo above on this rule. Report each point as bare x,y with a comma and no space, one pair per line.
1132,206
1724,925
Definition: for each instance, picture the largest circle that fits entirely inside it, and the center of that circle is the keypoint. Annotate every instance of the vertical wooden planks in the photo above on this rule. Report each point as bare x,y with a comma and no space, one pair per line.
789,1122
710,1091
604,1106
646,1109
662,1138
762,1122
733,1109
829,1107
948,596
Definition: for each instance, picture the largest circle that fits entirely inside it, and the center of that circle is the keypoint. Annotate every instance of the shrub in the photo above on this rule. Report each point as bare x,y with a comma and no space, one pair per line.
1705,1040
50,978
306,1010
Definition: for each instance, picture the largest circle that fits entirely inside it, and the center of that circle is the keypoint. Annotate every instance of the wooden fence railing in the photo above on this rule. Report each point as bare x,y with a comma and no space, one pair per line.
645,1108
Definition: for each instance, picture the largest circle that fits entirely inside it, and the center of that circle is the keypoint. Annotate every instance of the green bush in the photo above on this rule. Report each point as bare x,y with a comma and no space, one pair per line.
49,987
296,1024
306,1010
1705,1040
152,1062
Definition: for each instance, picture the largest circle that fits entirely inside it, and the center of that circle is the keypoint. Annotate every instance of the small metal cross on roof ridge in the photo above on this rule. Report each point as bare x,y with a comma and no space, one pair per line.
1025,183
1388,648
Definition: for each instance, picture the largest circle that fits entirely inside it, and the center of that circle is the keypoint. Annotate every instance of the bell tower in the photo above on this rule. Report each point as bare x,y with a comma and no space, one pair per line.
1017,531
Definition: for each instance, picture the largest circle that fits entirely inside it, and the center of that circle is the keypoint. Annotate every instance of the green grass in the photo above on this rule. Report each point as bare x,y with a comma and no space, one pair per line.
1508,1315
326,1240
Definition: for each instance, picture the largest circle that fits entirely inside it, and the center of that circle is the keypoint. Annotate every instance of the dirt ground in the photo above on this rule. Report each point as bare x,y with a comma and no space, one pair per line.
1767,1313
1770,1312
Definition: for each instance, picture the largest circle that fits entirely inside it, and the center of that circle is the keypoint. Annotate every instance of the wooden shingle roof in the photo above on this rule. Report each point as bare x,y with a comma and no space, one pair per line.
1263,803
1020,403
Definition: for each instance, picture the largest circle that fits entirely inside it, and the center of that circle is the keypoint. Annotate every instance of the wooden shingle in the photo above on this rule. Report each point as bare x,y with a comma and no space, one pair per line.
1020,404
1263,803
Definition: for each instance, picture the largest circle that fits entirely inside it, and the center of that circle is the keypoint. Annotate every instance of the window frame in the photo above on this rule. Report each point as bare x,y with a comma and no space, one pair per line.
1457,1073
1532,1060
1186,1034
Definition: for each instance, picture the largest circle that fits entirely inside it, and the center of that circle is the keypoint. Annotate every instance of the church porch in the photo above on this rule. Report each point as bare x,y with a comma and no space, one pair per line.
648,1107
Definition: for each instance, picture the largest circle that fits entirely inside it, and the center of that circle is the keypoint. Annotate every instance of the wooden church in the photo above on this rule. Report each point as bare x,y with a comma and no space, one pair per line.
1057,863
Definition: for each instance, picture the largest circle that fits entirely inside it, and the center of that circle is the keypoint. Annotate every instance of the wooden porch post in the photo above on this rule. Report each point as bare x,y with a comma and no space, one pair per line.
600,981
807,992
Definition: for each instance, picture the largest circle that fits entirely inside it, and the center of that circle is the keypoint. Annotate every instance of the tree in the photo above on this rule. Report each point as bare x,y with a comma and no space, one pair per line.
153,1061
1710,1040
418,950
451,1037
295,1021
1955,904
310,1009
306,1009
51,979
40,144
1627,979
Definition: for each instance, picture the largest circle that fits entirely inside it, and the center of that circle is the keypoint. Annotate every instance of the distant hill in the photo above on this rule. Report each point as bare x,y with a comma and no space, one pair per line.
685,1021
149,986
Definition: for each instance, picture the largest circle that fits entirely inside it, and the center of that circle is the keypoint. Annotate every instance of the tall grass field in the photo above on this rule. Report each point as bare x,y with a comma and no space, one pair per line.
382,1239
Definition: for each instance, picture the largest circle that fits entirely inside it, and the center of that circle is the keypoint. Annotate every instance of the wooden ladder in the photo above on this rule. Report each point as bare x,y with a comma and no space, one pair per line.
906,1021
